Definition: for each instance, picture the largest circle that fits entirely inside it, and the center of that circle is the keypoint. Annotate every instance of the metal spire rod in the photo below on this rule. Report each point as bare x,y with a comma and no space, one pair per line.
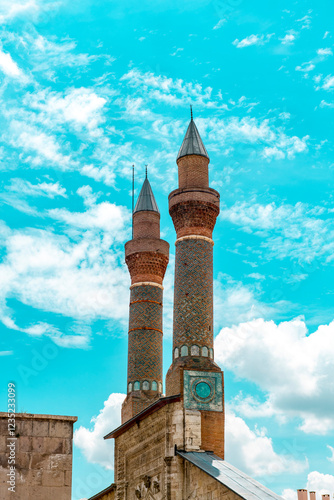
191,112
145,171
133,194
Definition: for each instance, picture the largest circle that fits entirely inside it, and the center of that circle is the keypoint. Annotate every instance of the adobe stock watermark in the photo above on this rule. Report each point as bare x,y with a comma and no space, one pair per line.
11,438
38,362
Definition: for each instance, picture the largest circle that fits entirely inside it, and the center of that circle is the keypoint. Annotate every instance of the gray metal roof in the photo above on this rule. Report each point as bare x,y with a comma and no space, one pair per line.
192,143
146,200
229,476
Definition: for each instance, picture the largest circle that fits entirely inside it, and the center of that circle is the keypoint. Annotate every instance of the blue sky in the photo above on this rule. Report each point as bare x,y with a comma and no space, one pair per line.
89,88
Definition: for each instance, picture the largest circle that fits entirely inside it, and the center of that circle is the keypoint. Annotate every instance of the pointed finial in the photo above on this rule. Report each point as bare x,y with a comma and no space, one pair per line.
145,171
191,112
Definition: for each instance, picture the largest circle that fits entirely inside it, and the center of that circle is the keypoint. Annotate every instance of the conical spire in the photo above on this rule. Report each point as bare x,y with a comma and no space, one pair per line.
146,200
192,142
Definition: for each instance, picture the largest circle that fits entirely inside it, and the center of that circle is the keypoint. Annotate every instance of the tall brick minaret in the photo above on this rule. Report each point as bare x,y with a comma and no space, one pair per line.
194,207
146,256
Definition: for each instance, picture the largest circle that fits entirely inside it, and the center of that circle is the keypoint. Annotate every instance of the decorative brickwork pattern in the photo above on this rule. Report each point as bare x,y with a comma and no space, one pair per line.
194,217
146,256
145,334
147,266
193,294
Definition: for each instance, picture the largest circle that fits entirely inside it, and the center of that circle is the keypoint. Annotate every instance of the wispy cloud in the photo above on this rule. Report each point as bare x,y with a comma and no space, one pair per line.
220,24
252,40
26,188
295,232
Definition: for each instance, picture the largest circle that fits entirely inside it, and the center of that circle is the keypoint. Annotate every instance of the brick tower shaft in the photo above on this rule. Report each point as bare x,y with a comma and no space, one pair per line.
194,207
146,256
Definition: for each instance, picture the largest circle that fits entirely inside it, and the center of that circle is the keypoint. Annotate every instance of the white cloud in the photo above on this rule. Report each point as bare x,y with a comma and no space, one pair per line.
285,115
257,276
325,52
296,231
10,67
328,83
44,146
289,38
104,216
220,23
272,141
11,9
306,67
81,107
90,440
305,21
331,459
272,356
66,273
252,40
177,52
236,303
325,104
252,451
161,88
321,483
48,189
6,353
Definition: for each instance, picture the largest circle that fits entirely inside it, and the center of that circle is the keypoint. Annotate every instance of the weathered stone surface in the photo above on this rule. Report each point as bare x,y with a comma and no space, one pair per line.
43,457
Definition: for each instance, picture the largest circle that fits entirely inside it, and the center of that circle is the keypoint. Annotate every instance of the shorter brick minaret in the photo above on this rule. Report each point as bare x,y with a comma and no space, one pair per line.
146,256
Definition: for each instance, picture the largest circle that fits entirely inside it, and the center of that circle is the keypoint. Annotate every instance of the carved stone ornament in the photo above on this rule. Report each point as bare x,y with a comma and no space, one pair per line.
156,487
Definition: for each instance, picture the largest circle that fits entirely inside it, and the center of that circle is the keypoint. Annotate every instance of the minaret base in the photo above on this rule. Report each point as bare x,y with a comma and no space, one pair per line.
137,401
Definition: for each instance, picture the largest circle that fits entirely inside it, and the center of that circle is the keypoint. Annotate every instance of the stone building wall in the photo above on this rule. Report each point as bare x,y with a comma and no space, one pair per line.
43,457
145,462
199,485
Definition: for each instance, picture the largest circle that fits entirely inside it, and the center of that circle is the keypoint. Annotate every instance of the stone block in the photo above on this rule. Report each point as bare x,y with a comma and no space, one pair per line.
40,461
23,427
24,444
67,446
60,429
22,460
68,477
53,445
37,444
3,444
61,462
53,478
34,477
40,428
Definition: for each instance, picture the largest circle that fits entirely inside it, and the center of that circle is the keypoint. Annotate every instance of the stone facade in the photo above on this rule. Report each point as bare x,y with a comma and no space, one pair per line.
43,457
146,465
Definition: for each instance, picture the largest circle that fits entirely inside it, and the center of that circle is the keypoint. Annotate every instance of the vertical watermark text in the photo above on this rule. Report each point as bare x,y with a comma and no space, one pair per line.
11,438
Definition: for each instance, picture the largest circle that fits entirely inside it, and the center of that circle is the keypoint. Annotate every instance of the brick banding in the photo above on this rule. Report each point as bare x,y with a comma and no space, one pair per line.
145,328
151,301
